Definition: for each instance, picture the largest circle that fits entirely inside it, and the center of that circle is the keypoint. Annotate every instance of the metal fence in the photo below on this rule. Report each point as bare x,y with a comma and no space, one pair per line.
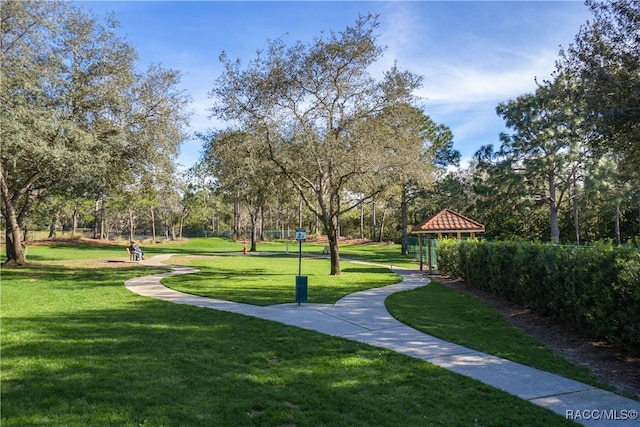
35,235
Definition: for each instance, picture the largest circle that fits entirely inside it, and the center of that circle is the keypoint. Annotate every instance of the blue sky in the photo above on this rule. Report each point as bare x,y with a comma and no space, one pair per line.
471,54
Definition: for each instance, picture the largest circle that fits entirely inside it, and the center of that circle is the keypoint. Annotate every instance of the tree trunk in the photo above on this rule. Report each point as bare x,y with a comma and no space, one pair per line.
14,248
282,231
332,235
74,220
553,208
131,226
403,208
183,215
96,219
13,245
576,222
102,221
555,228
331,219
384,216
362,221
153,224
54,223
236,217
262,239
618,237
374,226
300,214
254,230
112,228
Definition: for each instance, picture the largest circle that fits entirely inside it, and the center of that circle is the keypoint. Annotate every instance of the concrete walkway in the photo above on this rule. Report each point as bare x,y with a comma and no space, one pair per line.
362,317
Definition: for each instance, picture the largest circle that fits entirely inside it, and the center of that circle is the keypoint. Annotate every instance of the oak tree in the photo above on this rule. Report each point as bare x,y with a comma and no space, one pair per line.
76,116
319,110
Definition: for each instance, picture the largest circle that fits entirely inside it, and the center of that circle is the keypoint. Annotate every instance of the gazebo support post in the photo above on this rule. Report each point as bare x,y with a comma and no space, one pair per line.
420,249
429,251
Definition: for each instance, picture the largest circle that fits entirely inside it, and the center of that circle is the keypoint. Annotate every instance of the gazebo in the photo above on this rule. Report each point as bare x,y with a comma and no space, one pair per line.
444,222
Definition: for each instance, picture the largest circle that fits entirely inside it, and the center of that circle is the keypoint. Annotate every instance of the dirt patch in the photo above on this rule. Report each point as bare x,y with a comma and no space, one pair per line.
609,363
94,242
69,241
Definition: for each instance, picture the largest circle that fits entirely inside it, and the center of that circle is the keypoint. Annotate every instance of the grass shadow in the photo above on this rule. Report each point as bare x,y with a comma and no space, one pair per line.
144,362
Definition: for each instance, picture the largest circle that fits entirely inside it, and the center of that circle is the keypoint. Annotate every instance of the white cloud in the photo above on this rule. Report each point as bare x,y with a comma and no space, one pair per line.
470,63
466,74
465,83
465,59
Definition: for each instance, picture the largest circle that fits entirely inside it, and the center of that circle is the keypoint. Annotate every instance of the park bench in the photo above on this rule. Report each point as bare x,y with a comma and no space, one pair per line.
326,249
132,255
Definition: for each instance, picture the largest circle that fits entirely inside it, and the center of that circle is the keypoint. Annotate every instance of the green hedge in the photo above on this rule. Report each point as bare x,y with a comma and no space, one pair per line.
593,289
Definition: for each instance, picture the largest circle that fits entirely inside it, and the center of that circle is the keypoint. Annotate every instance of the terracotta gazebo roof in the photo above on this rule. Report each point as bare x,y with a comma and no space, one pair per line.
448,221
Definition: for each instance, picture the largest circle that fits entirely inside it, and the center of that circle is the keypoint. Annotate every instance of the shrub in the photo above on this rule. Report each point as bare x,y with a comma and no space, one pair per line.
594,289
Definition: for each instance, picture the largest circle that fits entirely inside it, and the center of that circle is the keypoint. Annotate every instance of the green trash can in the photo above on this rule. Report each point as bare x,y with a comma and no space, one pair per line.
301,289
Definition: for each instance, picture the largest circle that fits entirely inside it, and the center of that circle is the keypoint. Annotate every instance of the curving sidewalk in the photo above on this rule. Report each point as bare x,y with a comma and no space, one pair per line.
363,317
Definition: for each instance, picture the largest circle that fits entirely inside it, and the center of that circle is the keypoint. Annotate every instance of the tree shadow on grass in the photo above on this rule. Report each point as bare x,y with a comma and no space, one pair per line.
75,249
69,278
365,270
150,362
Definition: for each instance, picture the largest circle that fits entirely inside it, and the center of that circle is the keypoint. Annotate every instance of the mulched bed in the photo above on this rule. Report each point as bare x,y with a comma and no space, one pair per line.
609,363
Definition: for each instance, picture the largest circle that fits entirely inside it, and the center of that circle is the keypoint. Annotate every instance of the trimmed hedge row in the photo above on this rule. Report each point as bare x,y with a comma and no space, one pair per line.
593,289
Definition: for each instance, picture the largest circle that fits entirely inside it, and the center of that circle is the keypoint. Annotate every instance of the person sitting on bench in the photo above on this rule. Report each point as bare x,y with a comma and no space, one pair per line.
135,249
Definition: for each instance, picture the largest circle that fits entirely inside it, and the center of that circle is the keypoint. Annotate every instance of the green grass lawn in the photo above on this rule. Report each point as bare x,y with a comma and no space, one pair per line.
463,319
79,349
387,254
269,280
75,251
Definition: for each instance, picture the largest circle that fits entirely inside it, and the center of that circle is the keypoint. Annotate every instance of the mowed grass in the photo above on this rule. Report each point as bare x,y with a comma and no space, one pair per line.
271,279
382,253
73,250
79,349
463,319
70,250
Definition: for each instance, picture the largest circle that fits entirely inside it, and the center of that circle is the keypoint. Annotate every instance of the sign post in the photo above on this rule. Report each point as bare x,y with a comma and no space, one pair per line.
301,281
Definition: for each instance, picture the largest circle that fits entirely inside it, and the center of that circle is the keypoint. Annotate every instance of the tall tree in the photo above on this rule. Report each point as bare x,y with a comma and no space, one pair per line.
611,196
76,118
453,190
432,146
318,109
544,147
238,161
26,29
503,203
605,59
